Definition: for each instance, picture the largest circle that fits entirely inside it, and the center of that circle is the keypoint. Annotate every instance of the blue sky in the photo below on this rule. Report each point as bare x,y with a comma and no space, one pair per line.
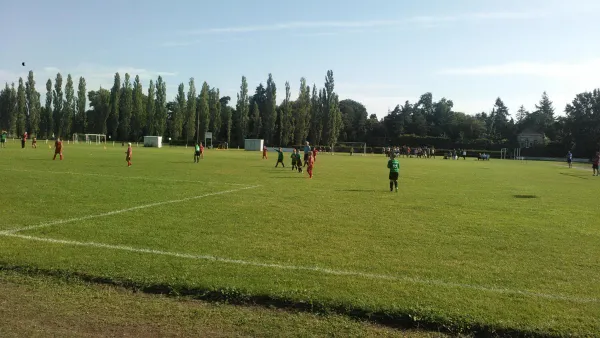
382,52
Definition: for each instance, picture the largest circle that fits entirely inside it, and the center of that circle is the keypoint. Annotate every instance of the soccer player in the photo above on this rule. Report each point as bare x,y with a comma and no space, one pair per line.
394,167
595,162
265,157
306,152
298,161
570,159
128,154
197,153
201,150
58,148
294,159
310,163
34,142
279,157
315,151
3,139
23,140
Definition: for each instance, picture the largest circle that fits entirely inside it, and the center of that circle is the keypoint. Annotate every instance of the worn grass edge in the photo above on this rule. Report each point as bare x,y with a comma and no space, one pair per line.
398,318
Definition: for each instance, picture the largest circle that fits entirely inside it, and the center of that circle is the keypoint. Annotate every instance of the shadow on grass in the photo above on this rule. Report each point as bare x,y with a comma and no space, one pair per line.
406,318
525,196
576,176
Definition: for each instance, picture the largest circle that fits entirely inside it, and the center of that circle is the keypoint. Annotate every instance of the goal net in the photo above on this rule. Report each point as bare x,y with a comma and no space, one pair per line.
89,138
351,148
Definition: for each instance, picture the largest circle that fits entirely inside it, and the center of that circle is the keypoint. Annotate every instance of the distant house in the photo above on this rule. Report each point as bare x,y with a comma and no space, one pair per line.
530,138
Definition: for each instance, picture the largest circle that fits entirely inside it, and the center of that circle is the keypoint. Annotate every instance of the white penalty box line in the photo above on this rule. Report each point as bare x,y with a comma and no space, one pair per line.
322,270
115,212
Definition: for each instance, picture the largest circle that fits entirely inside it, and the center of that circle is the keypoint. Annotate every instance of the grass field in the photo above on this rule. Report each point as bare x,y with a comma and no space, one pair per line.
501,247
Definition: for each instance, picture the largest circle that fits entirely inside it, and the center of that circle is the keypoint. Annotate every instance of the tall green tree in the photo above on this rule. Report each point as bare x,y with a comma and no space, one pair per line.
126,106
270,113
256,121
522,114
242,109
302,113
216,121
287,118
12,125
227,117
49,114
81,106
112,123
212,109
178,113
101,105
190,116
21,108
161,107
69,107
138,112
151,110
334,116
203,111
316,120
33,104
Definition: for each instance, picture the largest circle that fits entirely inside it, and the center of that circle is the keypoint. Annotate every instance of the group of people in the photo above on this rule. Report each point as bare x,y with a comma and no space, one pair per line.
310,155
419,152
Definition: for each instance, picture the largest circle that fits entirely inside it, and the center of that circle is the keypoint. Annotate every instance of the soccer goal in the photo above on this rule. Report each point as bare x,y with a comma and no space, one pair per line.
352,148
89,138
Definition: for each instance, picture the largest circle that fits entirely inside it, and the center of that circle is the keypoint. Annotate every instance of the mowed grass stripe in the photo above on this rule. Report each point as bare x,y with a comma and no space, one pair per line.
115,212
306,268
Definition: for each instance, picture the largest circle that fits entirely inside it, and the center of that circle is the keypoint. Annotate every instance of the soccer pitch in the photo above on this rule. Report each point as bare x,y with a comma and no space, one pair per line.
467,246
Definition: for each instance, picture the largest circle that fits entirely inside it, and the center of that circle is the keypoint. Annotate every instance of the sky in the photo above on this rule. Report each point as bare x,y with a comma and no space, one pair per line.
382,52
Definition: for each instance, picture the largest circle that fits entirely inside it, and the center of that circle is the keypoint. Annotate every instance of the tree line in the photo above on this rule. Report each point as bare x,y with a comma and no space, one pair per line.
127,112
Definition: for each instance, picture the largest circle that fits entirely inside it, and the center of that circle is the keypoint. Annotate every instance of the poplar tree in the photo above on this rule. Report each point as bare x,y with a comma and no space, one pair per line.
125,109
190,115
33,103
81,105
150,110
69,107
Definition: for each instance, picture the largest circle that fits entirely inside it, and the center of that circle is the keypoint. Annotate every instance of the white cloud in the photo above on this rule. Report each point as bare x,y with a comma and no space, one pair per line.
588,68
367,23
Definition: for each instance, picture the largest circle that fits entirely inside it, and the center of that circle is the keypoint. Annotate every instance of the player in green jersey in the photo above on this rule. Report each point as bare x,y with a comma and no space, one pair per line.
3,139
394,167
279,157
197,153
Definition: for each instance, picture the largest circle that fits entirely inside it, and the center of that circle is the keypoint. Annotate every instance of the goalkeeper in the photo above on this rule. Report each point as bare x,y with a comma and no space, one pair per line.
394,167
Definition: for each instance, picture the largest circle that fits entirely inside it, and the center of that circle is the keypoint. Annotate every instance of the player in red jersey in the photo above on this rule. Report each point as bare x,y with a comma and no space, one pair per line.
314,153
34,142
58,149
128,154
201,151
310,165
265,153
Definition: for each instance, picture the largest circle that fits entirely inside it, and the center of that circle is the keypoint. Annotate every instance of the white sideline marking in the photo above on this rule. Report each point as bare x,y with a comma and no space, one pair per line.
574,167
69,220
121,177
310,268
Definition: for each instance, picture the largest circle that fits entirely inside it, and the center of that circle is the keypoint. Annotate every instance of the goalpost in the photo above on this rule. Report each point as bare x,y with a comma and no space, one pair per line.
352,147
89,138
503,152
